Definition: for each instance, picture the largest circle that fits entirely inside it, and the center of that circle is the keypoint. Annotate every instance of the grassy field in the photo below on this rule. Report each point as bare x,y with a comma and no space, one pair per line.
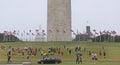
112,50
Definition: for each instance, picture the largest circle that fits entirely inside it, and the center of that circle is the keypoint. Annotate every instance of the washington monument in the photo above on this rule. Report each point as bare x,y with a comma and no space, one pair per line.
59,20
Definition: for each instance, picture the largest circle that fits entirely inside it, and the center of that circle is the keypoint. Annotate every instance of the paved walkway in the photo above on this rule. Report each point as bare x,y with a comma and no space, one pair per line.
11,64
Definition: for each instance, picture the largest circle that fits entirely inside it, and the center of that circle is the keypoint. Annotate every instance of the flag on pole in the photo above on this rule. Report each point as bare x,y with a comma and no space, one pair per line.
94,30
96,33
33,34
57,30
101,33
108,33
44,34
14,32
104,32
43,30
50,30
27,33
5,33
64,31
30,30
38,33
74,33
37,30
114,32
71,30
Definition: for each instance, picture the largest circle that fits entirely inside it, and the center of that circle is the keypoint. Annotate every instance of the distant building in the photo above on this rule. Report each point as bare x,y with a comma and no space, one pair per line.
84,36
81,37
88,32
40,37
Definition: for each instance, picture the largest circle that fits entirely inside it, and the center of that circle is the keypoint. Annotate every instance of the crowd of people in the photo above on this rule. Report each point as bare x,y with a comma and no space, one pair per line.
28,51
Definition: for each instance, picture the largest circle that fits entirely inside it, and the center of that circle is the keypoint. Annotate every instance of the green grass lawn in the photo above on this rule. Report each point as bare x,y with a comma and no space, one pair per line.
112,50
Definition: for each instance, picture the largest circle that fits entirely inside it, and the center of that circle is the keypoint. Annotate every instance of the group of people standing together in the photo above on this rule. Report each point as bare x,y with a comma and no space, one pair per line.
93,55
27,51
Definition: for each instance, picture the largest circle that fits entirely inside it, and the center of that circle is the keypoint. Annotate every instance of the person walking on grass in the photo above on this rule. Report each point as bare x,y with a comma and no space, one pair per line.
78,57
104,54
81,57
9,56
94,57
89,53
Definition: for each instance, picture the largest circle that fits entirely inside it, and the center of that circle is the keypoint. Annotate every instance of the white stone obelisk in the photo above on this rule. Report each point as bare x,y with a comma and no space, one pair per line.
59,20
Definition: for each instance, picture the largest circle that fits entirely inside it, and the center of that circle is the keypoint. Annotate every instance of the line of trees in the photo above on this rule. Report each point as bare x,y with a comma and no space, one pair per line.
106,38
99,38
8,38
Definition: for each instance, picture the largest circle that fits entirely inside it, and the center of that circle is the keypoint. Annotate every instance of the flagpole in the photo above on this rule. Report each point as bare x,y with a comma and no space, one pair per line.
113,38
14,35
100,36
9,36
4,36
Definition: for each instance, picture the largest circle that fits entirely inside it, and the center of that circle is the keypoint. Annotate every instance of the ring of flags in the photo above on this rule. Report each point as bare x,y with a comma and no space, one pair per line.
33,33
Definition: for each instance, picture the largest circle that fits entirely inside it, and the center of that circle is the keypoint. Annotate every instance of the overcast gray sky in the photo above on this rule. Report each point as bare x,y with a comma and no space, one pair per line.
30,14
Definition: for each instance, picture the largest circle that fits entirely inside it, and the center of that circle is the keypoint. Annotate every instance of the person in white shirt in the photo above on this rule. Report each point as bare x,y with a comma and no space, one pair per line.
94,57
